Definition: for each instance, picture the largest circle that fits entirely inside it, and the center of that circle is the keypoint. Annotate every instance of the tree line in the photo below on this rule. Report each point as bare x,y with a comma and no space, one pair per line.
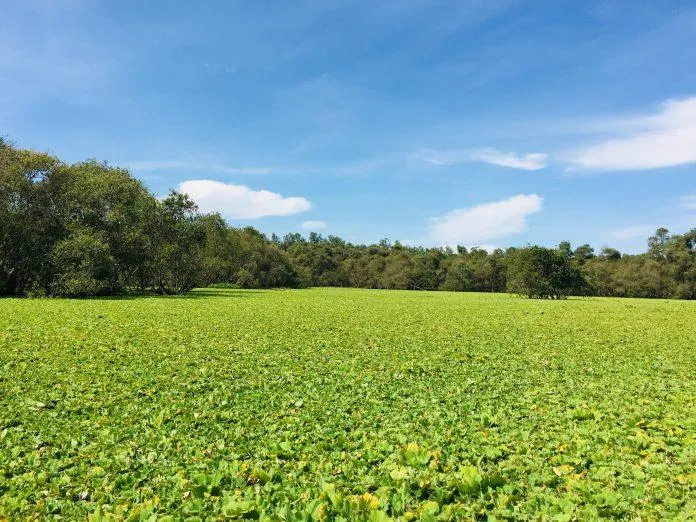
89,229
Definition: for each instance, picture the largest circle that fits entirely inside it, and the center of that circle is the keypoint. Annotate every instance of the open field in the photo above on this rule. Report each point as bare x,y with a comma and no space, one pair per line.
326,403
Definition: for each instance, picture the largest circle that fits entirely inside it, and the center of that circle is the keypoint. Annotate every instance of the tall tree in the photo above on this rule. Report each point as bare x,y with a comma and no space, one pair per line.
180,236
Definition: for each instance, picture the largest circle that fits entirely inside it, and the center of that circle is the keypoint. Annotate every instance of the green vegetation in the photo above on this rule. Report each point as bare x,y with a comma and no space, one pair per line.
340,404
90,229
543,273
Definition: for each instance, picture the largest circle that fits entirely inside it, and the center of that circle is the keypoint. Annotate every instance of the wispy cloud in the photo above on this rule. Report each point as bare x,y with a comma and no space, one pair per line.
442,158
218,68
355,169
664,139
484,222
532,161
529,161
152,166
313,225
239,201
632,232
687,202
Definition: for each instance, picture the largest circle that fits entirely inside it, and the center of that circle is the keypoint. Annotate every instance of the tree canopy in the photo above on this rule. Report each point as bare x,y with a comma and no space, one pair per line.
89,228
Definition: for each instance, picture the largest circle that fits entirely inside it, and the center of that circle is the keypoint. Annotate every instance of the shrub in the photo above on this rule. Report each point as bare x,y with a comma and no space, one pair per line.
84,265
539,272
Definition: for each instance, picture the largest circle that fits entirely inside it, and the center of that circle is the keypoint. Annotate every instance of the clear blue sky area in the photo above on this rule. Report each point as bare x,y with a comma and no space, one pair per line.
490,123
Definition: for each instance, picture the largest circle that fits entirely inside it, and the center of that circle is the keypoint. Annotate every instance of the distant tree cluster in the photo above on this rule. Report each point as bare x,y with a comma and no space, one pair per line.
90,229
667,269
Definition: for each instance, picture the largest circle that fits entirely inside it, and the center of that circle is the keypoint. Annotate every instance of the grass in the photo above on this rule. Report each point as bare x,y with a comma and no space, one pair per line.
329,404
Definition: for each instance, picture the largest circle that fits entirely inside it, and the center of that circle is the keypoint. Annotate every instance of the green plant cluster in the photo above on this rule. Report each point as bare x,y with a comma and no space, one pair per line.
341,404
90,229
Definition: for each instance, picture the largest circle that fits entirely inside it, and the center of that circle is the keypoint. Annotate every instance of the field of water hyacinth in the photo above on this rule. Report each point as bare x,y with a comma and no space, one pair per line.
338,404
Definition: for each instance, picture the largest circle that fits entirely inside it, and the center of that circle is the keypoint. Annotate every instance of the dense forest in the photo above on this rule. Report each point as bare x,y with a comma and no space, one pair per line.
89,229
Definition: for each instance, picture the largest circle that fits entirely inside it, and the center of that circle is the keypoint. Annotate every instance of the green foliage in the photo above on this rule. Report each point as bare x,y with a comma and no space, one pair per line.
539,272
83,265
226,286
180,237
90,229
261,264
30,218
340,404
112,204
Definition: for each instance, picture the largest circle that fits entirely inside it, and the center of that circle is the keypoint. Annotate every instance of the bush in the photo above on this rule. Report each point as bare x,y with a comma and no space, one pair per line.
543,273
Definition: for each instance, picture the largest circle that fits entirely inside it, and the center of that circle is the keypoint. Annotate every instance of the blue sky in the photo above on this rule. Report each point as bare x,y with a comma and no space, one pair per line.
469,122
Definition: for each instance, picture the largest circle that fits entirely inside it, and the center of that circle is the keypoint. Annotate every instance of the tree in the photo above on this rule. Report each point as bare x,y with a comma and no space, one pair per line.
90,229
681,255
180,237
459,276
610,254
539,272
565,249
657,243
261,263
119,209
220,256
31,218
583,253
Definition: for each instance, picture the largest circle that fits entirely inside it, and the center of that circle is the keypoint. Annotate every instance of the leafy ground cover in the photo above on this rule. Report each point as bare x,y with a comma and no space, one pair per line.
330,404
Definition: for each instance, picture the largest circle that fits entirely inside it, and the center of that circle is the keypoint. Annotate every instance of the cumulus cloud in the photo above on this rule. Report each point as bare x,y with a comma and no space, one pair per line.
481,223
313,225
530,161
664,139
239,201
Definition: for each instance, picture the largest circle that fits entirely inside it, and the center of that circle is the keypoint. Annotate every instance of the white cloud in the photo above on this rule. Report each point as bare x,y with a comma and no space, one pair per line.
664,139
531,161
239,201
313,225
687,202
481,223
632,232
150,166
